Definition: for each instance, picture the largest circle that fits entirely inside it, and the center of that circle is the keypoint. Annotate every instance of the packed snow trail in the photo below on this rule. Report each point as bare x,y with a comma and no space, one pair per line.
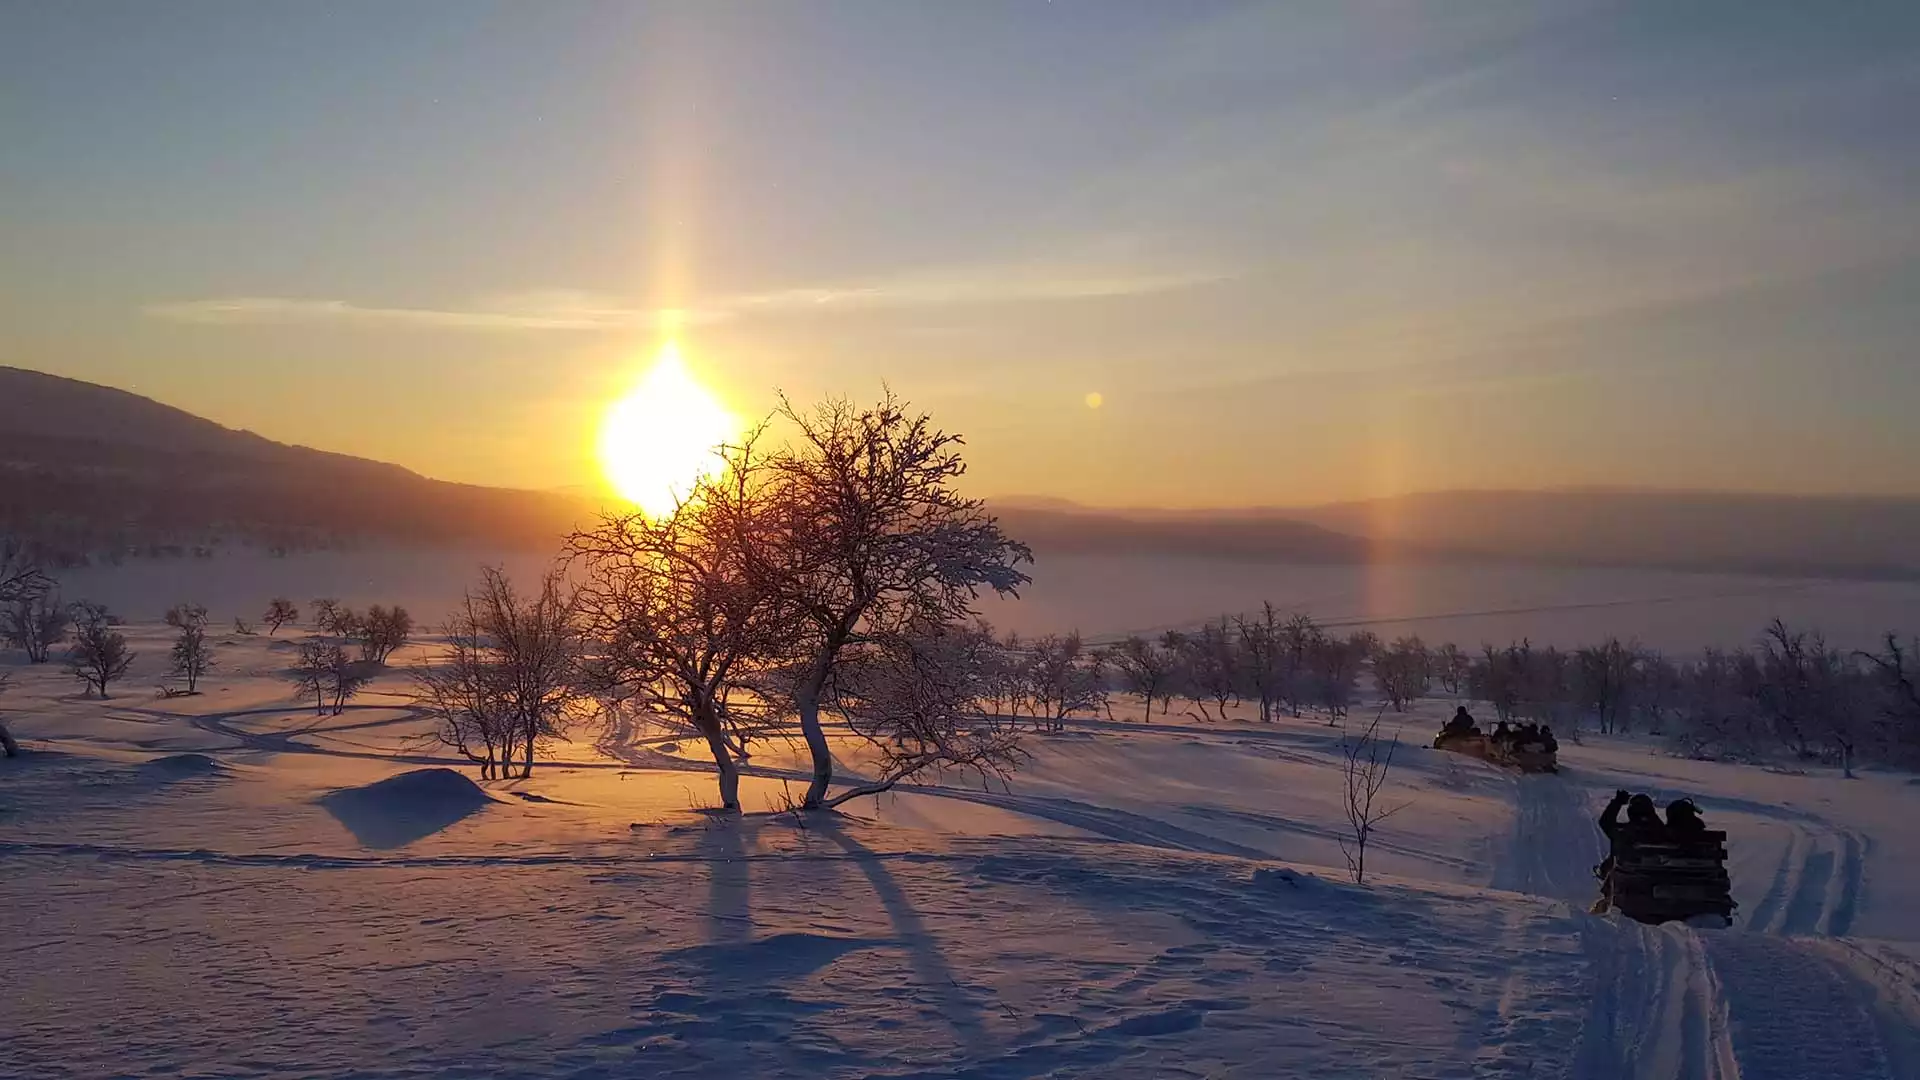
1774,999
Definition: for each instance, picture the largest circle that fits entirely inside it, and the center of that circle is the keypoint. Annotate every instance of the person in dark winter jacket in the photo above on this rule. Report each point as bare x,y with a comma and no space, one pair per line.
1683,817
1642,817
1461,724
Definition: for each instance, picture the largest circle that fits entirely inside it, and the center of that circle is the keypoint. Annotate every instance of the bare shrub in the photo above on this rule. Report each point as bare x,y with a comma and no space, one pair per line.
191,656
35,622
381,632
1366,764
99,654
507,679
326,671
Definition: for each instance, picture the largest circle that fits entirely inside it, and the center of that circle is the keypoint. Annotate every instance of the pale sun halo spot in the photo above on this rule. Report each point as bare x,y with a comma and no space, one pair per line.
663,436
1095,400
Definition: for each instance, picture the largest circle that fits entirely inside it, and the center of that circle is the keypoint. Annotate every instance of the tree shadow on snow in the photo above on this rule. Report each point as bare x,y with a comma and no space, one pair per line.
930,968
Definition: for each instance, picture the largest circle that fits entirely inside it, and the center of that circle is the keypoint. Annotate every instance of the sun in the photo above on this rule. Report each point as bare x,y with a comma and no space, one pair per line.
663,436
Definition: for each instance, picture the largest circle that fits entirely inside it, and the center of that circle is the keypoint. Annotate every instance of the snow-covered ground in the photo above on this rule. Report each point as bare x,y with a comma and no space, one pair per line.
228,885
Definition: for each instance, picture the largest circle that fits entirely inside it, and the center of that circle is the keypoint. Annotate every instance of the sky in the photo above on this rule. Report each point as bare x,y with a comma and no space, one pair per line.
1301,252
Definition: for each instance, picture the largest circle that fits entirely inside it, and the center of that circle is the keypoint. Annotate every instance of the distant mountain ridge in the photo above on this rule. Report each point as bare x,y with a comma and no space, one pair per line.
1837,536
87,469
92,469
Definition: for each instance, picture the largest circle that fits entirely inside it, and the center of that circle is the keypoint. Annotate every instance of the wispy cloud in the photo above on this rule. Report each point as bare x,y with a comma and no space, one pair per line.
568,310
985,285
532,311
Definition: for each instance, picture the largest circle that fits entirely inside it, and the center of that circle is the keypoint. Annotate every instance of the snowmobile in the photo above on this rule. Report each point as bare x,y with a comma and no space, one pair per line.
1658,875
1533,757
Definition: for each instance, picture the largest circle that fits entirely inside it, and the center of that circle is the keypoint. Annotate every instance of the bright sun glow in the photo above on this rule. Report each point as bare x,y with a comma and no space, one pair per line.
660,439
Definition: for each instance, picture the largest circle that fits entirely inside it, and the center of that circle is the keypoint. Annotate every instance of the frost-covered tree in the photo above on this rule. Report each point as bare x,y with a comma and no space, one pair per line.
99,655
1605,677
1403,672
1210,666
191,657
1262,658
870,540
1146,671
507,677
1300,640
1895,673
1062,679
1335,670
1451,667
281,612
918,697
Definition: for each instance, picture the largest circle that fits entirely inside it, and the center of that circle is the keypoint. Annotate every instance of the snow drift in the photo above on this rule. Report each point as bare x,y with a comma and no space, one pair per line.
401,809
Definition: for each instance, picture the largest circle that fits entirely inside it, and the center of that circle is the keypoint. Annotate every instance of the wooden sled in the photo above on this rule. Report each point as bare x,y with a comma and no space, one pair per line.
1659,877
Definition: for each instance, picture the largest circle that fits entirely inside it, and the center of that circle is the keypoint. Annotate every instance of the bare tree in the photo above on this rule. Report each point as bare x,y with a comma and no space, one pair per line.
1496,680
281,612
333,619
1062,679
8,747
20,573
870,541
508,677
325,670
191,657
919,699
1146,671
1211,666
35,622
1894,670
1300,639
99,654
1804,692
381,632
1366,762
680,622
1403,671
1262,657
1450,667
1605,681
1335,670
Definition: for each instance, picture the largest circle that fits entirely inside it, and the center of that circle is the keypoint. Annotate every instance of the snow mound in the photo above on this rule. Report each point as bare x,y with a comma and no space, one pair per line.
182,767
401,809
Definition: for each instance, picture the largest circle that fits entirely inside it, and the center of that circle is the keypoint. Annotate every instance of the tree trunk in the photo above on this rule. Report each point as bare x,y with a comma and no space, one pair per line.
816,737
530,732
729,770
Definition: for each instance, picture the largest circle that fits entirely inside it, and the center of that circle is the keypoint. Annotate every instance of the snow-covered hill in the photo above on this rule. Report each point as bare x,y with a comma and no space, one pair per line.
228,885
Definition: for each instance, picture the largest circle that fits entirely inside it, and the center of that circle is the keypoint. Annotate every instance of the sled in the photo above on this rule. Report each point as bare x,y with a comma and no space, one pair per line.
1531,758
1660,877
